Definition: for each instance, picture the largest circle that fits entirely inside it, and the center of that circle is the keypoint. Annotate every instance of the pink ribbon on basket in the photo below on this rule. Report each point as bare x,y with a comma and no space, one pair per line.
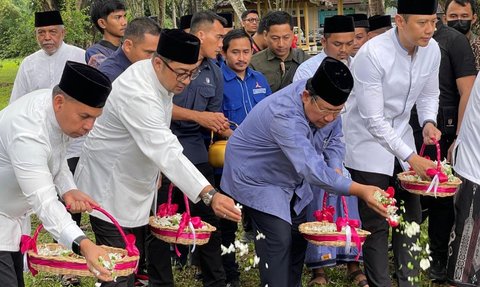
325,214
187,220
28,243
166,209
351,232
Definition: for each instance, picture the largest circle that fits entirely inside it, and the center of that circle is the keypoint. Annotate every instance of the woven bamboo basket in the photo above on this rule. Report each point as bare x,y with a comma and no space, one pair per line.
186,237
329,236
420,187
74,264
170,234
335,239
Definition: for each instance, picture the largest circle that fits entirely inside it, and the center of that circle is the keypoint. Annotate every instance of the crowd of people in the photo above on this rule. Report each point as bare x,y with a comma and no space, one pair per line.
117,124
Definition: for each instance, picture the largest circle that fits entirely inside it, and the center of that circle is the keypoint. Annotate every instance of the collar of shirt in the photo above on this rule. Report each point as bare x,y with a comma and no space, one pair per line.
229,74
60,48
291,56
108,45
155,81
402,50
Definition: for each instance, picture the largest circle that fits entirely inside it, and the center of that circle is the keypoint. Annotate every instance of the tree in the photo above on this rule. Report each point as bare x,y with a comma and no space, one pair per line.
376,7
238,7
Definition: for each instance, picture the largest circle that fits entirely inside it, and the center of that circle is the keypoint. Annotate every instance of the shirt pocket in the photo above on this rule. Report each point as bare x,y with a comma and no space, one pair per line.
232,108
258,97
202,98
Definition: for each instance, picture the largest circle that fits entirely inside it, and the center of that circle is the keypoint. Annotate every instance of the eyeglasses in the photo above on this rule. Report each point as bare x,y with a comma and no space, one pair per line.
252,20
183,76
329,112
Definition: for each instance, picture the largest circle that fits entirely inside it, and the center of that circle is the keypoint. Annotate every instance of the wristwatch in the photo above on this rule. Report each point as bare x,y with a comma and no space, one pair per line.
76,244
208,196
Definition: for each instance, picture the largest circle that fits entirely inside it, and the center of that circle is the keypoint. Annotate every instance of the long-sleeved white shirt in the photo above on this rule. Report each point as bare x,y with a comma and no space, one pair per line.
308,68
388,82
129,144
33,169
42,71
467,159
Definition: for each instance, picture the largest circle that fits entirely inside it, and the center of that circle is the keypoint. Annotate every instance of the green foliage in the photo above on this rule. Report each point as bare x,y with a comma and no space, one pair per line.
9,14
77,25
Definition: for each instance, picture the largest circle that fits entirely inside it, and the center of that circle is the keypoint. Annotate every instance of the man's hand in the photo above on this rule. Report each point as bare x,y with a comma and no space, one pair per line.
214,121
366,193
91,252
420,165
429,132
224,207
78,201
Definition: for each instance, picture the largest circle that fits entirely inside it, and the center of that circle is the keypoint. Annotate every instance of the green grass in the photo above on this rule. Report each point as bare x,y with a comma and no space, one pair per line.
8,70
183,278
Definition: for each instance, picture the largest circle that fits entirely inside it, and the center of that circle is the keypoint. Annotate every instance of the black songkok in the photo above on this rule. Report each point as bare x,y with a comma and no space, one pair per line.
48,18
228,17
332,81
417,7
179,46
338,24
185,22
380,21
360,20
85,84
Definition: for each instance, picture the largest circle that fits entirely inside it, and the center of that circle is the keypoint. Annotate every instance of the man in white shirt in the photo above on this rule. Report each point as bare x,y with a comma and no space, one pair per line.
392,72
338,39
43,68
33,139
132,142
463,260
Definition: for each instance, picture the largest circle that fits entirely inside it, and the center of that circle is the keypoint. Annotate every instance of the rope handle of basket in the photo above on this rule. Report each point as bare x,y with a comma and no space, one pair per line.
437,174
30,243
439,154
170,209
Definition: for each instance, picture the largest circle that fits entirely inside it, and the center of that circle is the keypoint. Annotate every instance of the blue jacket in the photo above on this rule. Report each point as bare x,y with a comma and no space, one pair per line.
273,155
240,96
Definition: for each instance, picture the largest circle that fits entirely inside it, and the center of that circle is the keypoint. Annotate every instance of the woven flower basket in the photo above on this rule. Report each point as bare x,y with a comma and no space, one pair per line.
200,234
432,187
324,232
73,264
312,232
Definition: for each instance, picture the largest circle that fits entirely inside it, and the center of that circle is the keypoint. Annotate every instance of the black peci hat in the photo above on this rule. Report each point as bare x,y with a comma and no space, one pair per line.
338,24
380,21
417,7
48,18
179,46
360,20
185,22
85,84
332,81
228,17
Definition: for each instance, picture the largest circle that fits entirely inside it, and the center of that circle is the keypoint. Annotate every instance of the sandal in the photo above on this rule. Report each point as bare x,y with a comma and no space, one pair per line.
356,278
319,278
70,280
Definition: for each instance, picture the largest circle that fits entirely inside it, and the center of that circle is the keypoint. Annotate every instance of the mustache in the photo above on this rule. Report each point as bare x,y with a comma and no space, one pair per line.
241,63
48,43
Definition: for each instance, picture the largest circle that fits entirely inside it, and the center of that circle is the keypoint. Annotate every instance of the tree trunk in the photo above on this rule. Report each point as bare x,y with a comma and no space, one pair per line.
162,6
376,7
238,7
136,8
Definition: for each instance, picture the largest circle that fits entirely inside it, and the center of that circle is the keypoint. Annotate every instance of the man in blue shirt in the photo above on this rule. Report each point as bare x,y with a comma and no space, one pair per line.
243,89
140,42
109,18
243,86
271,162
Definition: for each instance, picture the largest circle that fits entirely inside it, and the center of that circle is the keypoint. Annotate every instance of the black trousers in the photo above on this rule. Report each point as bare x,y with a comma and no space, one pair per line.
107,234
72,165
11,269
375,248
208,256
282,252
439,210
